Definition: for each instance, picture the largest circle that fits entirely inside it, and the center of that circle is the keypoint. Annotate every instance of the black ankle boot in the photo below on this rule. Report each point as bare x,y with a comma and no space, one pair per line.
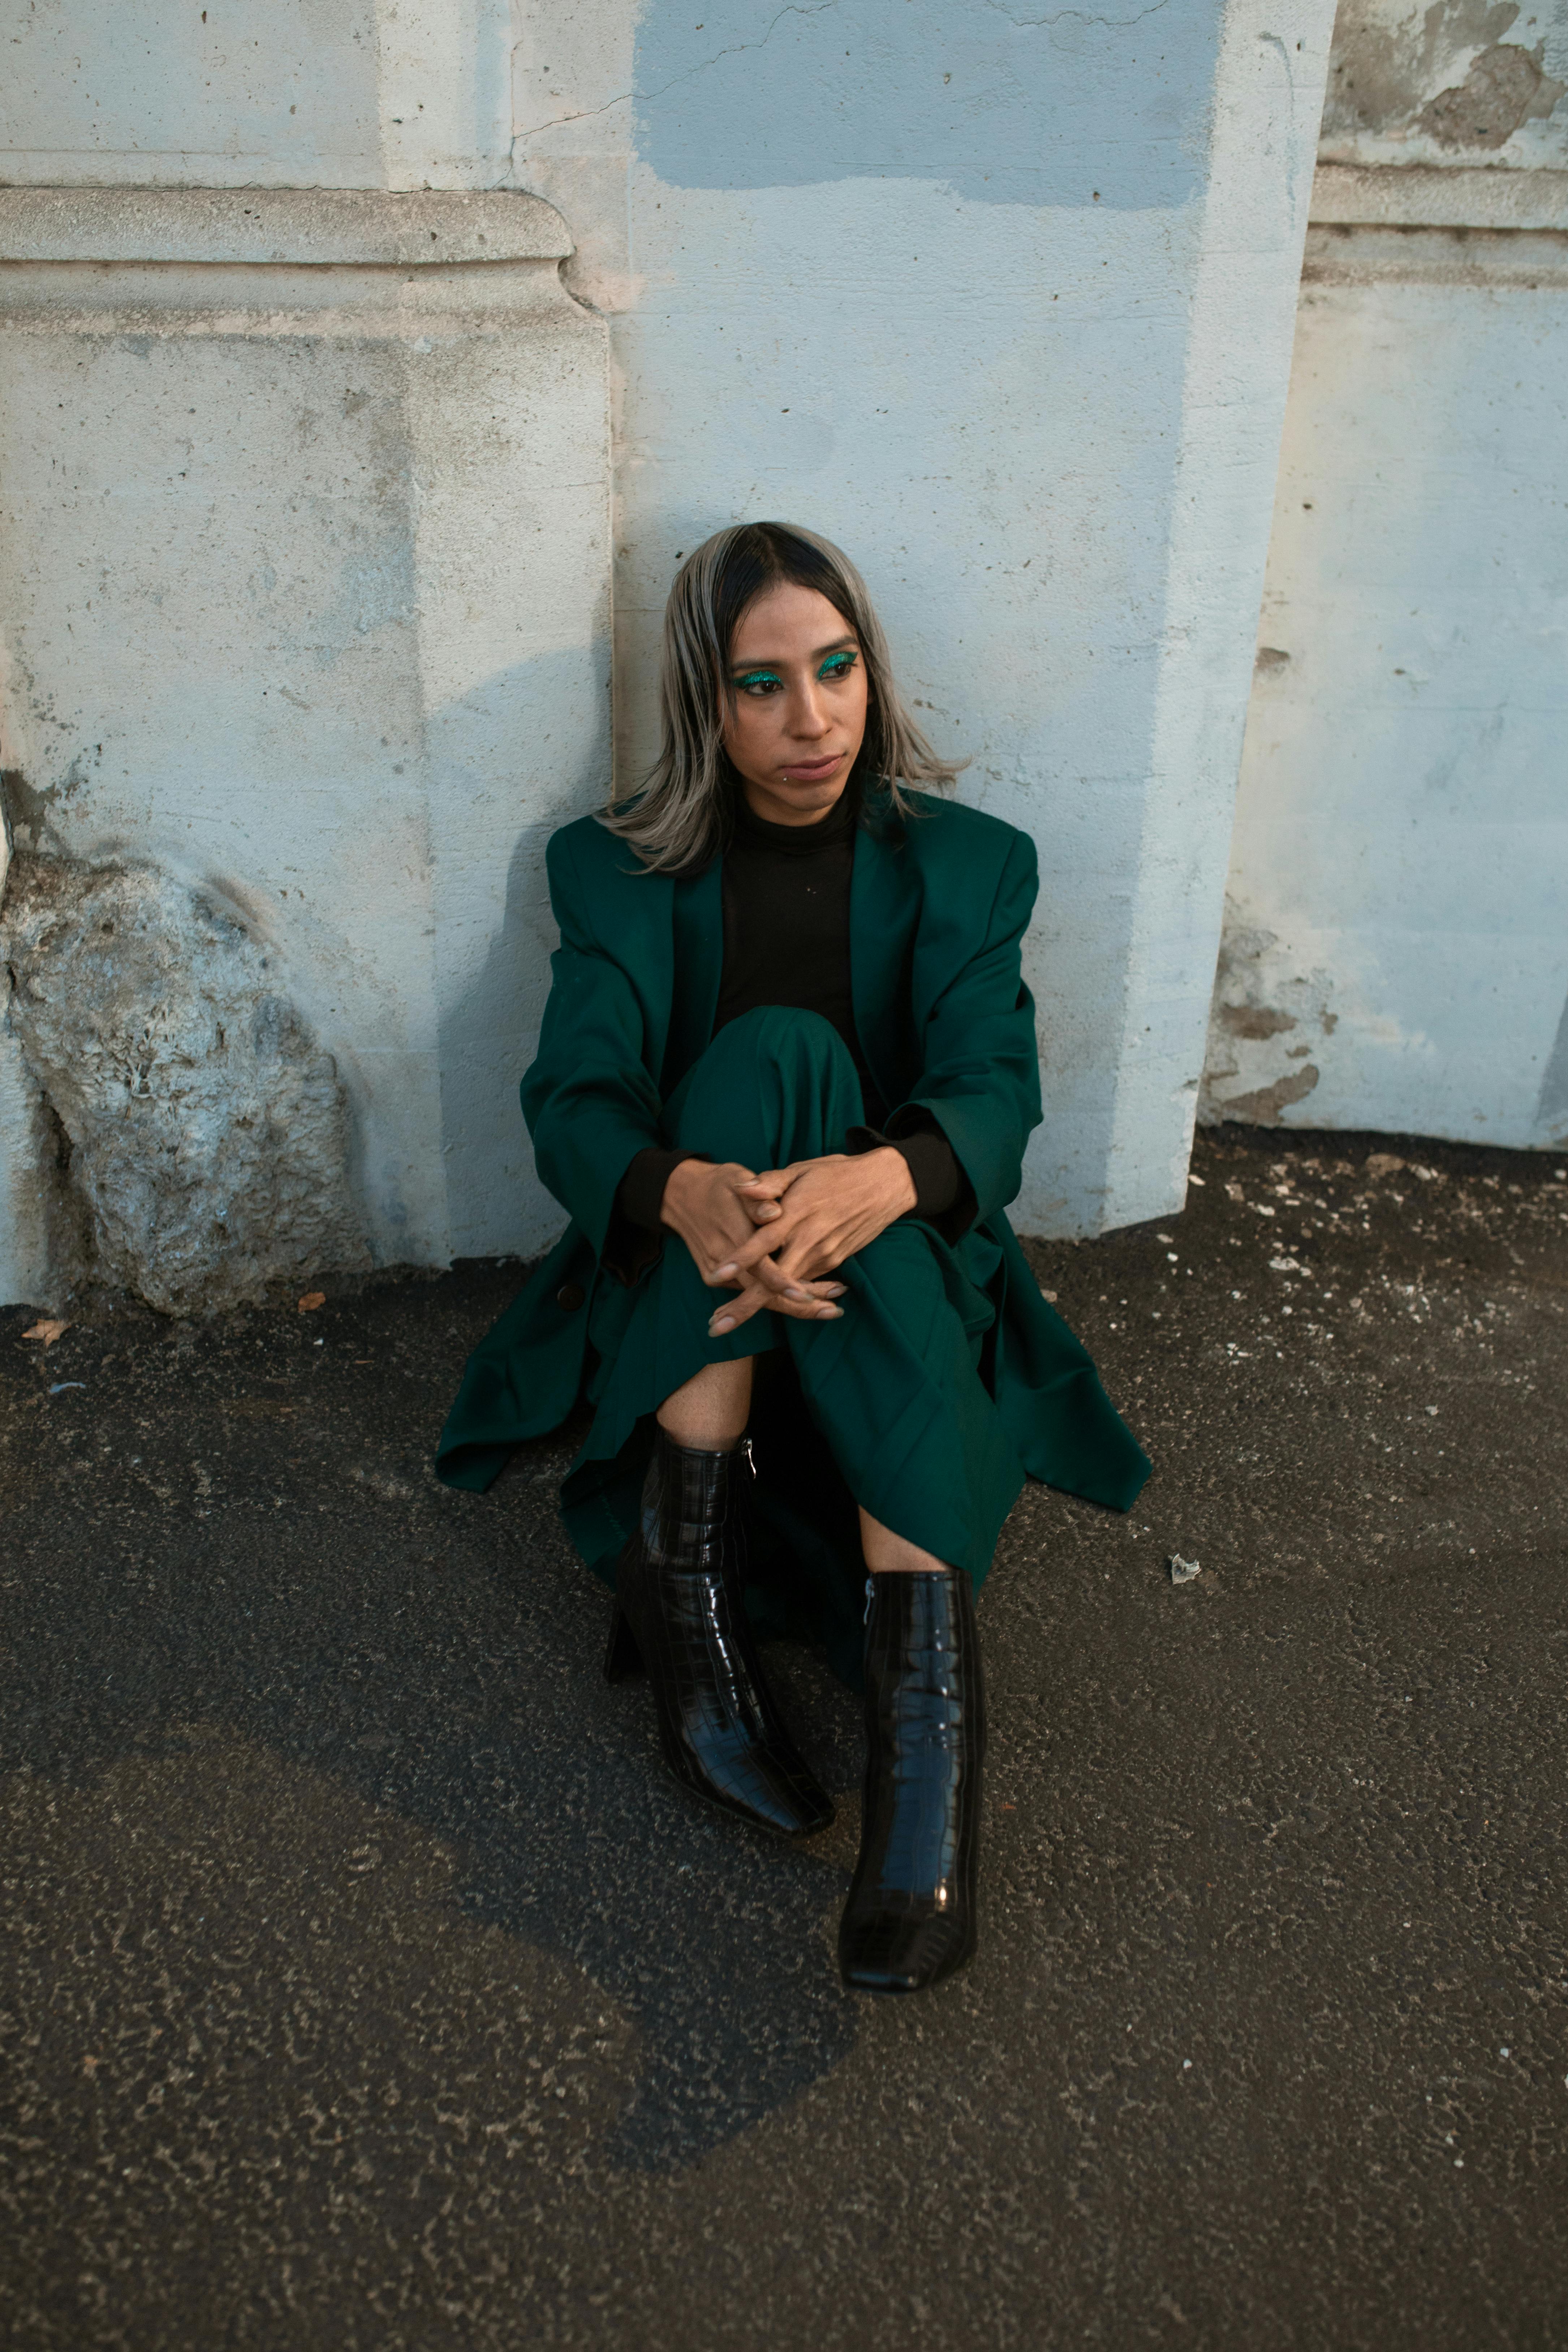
910,1918
679,1612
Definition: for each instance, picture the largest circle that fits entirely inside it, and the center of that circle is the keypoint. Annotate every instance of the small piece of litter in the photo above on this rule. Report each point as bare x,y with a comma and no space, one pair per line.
1186,2063
1049,1296
1182,1570
312,1300
60,1385
48,1330
1503,2053
1199,1181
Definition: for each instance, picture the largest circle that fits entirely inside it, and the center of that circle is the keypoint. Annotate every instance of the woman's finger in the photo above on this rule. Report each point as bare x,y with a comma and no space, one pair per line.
736,1311
744,1262
729,1317
772,1181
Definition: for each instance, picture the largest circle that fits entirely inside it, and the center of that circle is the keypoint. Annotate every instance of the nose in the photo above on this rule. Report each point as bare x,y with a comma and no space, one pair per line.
809,718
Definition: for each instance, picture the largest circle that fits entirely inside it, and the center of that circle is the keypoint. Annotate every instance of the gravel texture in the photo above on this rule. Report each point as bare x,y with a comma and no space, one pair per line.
362,1983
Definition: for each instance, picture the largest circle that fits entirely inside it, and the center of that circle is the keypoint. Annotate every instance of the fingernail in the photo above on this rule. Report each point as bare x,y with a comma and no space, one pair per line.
723,1273
717,1330
796,1292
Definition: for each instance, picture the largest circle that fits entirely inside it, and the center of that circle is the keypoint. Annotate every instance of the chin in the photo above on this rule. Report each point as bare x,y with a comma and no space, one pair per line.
822,790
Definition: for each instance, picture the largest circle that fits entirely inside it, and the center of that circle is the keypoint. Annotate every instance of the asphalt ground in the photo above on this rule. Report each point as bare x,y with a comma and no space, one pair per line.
363,1983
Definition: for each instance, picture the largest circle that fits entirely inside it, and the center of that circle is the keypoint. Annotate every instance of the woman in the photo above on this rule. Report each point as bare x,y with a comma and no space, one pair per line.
785,1076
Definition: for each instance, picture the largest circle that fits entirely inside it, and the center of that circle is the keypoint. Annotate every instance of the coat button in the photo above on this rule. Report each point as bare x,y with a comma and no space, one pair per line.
569,1297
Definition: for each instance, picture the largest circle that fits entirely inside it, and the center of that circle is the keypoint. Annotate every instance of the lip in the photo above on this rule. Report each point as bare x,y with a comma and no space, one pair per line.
812,772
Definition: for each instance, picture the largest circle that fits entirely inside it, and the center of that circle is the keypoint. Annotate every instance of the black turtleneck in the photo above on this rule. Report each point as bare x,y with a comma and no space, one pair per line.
786,942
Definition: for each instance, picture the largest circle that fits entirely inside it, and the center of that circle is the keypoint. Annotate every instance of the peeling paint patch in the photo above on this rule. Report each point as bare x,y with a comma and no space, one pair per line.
1259,999
1253,1020
1506,87
1263,1106
1413,85
203,1137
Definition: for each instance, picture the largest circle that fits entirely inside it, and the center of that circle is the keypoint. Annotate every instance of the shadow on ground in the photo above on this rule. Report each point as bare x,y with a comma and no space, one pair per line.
364,1984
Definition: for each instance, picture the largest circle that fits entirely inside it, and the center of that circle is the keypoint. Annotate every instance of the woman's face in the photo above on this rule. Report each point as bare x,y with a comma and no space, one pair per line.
796,712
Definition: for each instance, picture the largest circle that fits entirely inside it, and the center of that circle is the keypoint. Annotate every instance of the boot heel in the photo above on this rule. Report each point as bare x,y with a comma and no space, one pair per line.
622,1657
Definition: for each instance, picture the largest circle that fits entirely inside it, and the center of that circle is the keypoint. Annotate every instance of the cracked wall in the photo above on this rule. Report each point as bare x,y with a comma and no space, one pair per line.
207,1136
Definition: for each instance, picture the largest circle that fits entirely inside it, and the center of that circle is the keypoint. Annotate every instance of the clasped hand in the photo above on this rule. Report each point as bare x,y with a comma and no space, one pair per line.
775,1239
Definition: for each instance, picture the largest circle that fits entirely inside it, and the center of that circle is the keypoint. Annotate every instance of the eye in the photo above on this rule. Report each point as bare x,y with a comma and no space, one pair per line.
838,666
760,681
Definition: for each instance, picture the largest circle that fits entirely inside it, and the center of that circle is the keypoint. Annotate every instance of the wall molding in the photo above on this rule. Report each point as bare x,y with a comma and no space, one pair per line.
1428,195
319,228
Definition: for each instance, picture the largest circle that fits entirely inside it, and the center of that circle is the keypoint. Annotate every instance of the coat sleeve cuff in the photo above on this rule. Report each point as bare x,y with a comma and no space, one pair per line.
636,1229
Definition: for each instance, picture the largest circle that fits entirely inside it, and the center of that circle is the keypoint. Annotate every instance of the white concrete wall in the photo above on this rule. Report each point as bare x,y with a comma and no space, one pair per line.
304,584
1395,954
256,93
1003,302
306,581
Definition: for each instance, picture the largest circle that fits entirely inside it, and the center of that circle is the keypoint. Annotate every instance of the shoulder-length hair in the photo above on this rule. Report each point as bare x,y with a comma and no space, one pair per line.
678,818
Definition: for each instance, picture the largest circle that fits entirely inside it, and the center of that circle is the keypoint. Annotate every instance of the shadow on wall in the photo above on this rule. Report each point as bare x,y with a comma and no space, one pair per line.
495,932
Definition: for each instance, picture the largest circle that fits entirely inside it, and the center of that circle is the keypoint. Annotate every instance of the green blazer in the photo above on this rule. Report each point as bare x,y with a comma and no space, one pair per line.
938,908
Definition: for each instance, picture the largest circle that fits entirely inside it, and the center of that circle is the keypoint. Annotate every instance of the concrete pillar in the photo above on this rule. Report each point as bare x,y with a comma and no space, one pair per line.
1003,302
303,590
1395,951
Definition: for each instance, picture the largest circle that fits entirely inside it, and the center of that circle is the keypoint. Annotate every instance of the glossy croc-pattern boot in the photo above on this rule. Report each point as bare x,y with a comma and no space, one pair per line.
678,1613
909,1920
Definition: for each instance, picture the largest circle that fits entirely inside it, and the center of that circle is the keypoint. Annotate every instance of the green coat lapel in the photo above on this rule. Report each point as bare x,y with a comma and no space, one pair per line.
698,933
884,910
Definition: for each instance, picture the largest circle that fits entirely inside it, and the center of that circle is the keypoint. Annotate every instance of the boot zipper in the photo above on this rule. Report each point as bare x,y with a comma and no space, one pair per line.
870,1593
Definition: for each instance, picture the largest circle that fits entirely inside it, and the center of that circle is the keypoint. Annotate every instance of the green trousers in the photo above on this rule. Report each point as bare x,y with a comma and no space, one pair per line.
886,1407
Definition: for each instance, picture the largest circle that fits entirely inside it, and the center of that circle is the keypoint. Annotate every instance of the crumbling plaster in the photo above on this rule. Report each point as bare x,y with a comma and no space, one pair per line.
1456,81
209,1136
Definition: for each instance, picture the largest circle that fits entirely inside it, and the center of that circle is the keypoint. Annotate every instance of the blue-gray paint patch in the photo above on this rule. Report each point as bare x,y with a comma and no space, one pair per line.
1006,105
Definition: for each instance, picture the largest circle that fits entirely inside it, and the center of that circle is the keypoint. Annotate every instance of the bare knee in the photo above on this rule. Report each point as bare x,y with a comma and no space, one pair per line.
709,1412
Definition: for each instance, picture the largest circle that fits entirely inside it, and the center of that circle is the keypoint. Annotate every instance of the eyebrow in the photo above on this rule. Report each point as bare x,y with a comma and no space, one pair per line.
848,643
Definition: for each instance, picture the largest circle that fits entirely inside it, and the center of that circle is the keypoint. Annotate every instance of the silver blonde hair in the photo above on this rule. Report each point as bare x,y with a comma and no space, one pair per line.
678,818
